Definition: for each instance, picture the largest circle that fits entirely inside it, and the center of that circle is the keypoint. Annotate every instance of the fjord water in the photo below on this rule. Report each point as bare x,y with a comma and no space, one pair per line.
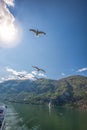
37,117
13,121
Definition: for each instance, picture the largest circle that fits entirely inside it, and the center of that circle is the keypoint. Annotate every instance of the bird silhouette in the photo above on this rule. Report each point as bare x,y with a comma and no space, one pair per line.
21,75
39,69
37,32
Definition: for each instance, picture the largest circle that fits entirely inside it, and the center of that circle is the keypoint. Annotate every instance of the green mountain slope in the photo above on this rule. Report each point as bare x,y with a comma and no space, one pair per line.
69,90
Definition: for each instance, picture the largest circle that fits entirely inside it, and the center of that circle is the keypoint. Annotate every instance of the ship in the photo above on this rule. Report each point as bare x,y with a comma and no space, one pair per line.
2,117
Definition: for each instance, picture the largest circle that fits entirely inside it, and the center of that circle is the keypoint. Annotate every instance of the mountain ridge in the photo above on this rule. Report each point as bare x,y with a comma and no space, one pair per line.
69,90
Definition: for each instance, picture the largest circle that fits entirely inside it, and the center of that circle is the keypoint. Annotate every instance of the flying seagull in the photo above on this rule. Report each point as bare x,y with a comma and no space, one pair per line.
37,32
39,69
21,76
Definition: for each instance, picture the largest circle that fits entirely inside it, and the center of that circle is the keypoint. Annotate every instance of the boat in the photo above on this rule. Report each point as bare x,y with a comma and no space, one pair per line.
2,116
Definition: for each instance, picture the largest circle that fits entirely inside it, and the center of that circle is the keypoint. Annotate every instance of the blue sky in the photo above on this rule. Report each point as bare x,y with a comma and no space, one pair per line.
63,50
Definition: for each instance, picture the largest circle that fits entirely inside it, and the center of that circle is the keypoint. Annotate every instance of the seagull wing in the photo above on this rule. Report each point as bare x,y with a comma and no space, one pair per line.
35,67
33,30
43,70
21,76
40,32
39,69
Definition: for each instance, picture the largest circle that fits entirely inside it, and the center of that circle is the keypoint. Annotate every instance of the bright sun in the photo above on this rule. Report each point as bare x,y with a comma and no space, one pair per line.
9,35
10,30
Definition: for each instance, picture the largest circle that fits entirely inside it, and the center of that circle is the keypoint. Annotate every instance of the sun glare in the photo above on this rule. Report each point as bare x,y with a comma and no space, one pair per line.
9,35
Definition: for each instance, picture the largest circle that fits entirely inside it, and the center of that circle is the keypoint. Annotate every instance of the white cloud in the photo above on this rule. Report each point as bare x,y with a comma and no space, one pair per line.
29,76
42,75
38,74
10,77
63,74
9,2
24,74
12,74
34,72
19,74
82,69
9,30
11,71
2,79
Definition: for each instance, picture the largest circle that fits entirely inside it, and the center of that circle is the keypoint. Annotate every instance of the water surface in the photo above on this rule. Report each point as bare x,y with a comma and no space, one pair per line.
37,117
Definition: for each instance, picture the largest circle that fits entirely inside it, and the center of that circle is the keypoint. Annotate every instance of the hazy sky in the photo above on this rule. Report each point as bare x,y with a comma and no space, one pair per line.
62,51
